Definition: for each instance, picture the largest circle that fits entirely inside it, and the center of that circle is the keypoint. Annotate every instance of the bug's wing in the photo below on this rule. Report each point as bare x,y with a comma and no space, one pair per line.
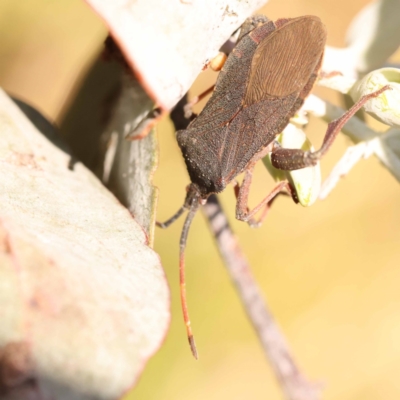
252,130
285,59
230,88
203,143
283,70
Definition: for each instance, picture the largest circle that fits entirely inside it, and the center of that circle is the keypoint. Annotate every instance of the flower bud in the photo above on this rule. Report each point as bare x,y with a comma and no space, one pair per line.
386,107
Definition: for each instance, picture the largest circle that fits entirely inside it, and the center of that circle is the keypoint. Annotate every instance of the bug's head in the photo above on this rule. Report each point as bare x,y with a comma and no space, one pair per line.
194,196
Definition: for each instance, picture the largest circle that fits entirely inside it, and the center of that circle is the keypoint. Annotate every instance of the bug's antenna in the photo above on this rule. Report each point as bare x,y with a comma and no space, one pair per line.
182,245
168,222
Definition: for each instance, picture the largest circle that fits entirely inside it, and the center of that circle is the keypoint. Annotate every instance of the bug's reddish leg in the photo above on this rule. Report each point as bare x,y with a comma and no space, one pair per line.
257,223
242,194
292,159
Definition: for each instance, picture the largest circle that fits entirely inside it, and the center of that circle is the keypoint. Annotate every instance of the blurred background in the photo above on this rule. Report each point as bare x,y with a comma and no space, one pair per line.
330,273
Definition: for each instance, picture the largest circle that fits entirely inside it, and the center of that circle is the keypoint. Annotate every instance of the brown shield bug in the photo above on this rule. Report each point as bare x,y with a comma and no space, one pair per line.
263,83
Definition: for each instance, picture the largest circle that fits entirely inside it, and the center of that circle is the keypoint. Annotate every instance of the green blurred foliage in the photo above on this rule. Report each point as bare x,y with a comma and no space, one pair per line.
330,273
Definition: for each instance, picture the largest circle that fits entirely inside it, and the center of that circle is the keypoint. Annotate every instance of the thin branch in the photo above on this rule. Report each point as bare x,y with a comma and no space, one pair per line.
293,383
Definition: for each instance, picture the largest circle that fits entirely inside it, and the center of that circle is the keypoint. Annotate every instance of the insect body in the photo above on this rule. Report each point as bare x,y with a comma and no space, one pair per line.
263,83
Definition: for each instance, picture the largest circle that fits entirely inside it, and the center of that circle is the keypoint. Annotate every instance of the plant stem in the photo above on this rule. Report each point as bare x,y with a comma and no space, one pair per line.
289,376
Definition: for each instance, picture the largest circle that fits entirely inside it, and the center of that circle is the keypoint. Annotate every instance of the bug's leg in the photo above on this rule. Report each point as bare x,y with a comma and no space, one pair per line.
292,159
257,223
188,108
242,194
283,188
144,126
327,75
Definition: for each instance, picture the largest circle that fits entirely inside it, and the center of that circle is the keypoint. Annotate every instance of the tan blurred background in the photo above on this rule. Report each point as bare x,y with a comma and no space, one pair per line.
330,273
